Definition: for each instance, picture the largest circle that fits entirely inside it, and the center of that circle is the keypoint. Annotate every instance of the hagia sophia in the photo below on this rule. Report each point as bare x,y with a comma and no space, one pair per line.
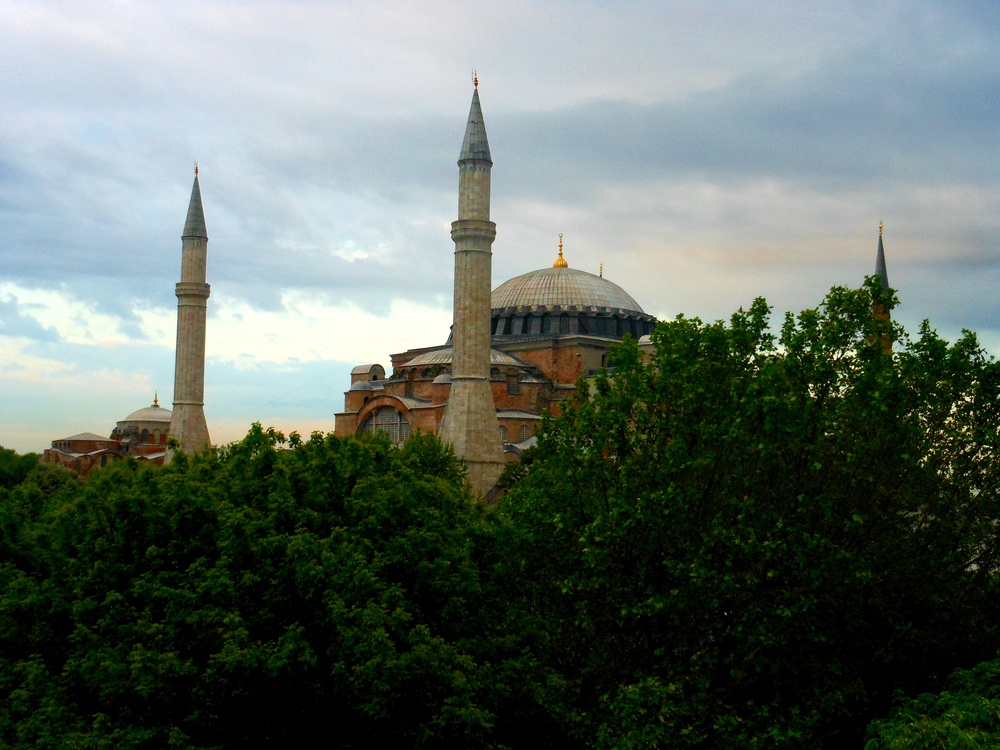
514,352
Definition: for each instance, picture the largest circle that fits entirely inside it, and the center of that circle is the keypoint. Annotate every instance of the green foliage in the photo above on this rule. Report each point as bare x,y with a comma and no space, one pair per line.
755,540
752,540
14,468
252,597
964,717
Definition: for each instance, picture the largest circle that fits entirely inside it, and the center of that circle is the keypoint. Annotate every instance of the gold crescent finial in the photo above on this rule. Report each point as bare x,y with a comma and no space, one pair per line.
560,261
196,169
475,78
880,229
601,272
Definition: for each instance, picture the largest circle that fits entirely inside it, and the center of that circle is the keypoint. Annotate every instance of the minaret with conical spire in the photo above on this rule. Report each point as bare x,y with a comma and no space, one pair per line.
470,421
880,310
880,262
187,425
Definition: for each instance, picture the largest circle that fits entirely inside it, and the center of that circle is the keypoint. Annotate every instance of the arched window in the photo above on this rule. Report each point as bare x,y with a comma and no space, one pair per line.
503,434
104,460
386,419
513,384
144,436
547,324
564,323
523,432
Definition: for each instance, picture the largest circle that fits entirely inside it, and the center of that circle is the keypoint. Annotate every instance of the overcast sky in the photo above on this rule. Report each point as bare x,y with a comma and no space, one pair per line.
706,153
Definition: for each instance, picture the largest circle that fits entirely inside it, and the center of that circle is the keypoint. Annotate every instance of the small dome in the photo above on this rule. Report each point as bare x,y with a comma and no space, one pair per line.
444,356
154,413
562,286
362,385
442,379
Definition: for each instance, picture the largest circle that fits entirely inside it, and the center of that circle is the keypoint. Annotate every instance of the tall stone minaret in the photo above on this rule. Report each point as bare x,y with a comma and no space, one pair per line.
880,310
187,425
470,420
880,262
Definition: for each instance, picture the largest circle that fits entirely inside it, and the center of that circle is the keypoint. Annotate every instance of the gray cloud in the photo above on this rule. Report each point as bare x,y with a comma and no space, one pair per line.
705,154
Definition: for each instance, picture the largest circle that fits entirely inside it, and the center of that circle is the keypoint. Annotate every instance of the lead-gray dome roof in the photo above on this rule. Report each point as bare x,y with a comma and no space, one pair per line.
154,413
566,287
443,356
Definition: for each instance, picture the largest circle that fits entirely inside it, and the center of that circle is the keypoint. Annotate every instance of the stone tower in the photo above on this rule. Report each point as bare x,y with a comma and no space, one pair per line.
879,309
470,420
880,262
188,425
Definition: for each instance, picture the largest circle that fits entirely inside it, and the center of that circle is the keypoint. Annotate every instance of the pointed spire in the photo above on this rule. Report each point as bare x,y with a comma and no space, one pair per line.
880,261
560,261
475,145
194,227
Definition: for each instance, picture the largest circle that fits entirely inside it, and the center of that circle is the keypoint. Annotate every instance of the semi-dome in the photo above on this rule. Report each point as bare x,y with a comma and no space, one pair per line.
362,385
565,287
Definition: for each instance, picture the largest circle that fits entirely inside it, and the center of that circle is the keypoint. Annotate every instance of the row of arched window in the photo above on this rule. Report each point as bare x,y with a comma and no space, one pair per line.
386,419
522,325
523,433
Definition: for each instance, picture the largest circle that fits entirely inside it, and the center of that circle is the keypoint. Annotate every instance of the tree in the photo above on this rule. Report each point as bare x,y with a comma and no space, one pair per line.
14,468
249,597
964,717
754,540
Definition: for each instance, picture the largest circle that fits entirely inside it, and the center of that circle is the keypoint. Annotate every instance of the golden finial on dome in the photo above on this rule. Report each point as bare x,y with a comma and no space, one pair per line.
601,271
560,261
156,398
880,229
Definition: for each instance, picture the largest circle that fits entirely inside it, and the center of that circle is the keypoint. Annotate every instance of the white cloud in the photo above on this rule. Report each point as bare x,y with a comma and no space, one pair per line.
308,329
75,321
18,364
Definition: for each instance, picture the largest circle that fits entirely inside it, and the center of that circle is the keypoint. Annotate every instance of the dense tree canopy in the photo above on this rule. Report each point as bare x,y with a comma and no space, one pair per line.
251,598
754,540
750,540
14,468
966,716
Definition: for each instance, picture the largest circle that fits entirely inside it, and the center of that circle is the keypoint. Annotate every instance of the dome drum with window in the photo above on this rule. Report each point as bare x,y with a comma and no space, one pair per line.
565,301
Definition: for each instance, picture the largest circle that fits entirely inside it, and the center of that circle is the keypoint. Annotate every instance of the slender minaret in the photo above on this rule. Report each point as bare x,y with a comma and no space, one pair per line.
880,310
187,425
880,262
470,419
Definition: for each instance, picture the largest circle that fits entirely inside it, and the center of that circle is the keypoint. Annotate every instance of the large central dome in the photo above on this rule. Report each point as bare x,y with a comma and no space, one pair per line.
565,287
559,301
